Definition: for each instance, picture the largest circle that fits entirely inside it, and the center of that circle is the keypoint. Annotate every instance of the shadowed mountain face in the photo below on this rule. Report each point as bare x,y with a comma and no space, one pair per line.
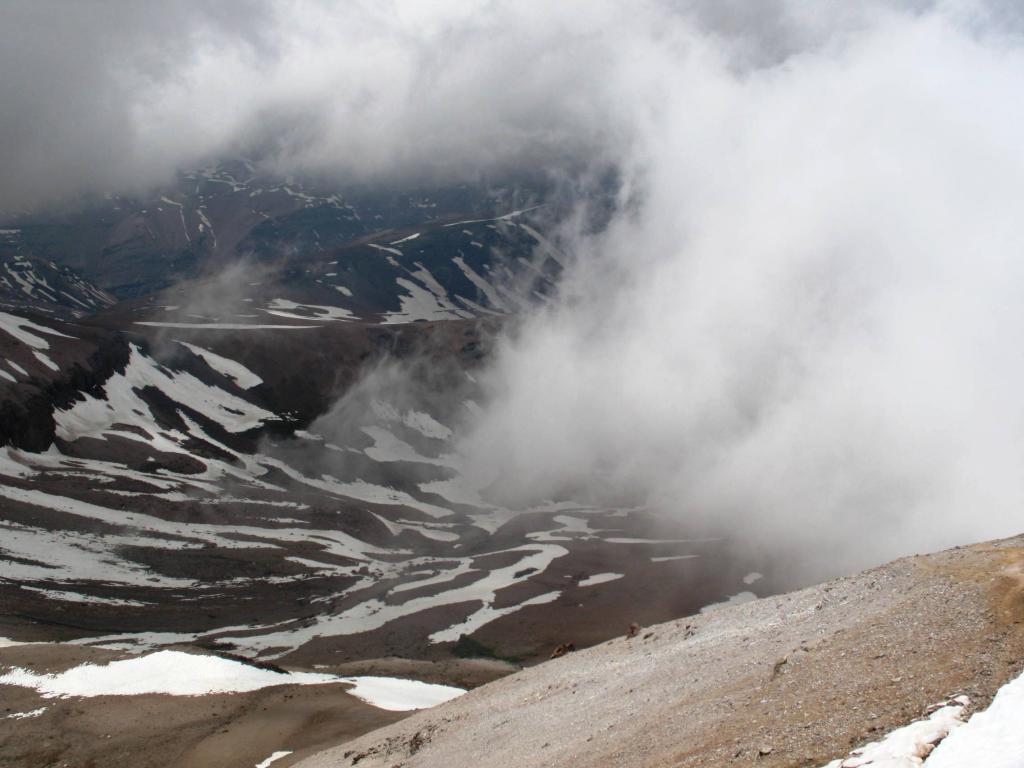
321,237
37,283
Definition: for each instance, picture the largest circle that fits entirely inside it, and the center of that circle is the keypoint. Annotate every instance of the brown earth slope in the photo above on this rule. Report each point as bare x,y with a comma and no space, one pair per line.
794,680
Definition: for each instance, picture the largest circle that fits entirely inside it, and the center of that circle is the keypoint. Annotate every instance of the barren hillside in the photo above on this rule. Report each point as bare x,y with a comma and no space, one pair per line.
795,680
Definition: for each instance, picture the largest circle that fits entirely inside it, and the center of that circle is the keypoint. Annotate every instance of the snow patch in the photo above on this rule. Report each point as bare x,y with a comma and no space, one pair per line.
280,308
237,372
94,416
26,715
600,578
171,672
426,425
993,738
45,359
18,327
226,326
397,695
420,304
905,747
272,759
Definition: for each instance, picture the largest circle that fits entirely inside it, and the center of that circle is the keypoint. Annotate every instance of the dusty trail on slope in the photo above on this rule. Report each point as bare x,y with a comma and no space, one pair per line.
793,680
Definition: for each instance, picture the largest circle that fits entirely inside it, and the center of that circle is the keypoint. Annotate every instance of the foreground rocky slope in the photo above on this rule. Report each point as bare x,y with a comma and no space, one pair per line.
795,680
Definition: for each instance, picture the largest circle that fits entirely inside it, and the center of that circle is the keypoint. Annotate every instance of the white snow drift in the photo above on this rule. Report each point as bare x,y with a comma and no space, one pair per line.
993,738
186,674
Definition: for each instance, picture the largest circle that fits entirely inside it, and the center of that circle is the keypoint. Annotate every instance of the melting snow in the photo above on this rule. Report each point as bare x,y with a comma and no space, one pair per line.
320,312
272,759
176,673
399,695
485,615
426,425
481,283
25,715
16,327
45,359
387,447
359,489
171,672
94,416
905,747
237,372
420,304
76,597
227,326
375,613
6,642
600,578
993,738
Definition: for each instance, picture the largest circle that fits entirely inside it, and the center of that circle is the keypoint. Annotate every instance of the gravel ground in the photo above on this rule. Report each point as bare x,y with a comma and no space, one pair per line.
794,680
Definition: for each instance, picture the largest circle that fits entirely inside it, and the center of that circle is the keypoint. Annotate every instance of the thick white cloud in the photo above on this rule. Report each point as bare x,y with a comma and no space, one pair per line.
119,94
802,323
805,331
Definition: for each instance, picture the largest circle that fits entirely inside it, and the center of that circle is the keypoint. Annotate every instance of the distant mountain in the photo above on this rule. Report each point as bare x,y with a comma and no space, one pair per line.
30,282
204,461
409,254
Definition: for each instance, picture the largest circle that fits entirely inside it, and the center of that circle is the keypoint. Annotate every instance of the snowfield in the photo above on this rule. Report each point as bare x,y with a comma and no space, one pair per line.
170,672
273,759
399,695
990,739
176,673
993,738
905,747
237,372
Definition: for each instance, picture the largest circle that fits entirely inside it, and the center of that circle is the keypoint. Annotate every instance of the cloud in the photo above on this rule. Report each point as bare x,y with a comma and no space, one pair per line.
800,323
803,329
119,95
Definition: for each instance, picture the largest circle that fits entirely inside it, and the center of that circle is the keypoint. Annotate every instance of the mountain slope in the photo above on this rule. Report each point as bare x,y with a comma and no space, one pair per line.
42,285
794,680
133,246
193,482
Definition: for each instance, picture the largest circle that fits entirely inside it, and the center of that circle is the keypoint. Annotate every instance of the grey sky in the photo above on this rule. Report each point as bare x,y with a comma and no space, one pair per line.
109,95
